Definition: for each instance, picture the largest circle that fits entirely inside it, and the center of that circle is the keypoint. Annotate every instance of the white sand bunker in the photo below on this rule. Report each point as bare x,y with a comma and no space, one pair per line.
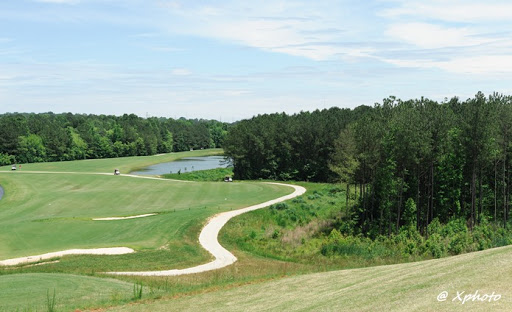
46,256
124,218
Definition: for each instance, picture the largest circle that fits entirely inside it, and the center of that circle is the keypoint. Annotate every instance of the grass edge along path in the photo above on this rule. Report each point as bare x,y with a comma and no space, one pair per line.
208,238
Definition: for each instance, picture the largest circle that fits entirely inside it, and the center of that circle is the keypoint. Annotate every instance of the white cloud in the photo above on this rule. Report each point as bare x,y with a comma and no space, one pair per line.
467,11
475,65
432,36
181,72
294,28
463,37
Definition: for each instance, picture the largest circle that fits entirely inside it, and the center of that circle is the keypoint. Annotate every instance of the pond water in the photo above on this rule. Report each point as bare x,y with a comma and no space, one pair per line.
188,164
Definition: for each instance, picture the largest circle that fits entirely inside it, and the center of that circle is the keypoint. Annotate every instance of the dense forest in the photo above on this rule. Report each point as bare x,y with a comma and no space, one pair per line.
407,163
26,138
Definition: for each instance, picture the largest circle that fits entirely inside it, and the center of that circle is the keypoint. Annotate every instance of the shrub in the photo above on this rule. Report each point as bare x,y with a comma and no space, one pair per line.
460,242
279,206
436,246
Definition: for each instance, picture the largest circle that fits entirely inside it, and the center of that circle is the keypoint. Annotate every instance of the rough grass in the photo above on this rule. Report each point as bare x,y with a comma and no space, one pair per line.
293,231
212,175
402,287
28,292
124,164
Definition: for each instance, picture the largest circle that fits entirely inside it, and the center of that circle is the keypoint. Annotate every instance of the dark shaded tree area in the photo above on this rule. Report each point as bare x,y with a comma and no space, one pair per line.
407,162
282,147
26,138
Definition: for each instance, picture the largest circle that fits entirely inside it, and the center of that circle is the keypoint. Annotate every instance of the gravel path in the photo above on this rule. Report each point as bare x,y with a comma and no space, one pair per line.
208,239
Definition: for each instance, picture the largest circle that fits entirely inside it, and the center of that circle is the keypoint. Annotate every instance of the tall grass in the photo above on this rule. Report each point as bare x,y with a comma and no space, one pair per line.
212,175
50,301
137,291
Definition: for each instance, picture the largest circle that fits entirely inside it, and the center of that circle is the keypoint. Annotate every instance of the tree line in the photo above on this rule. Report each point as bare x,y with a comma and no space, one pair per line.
407,163
27,138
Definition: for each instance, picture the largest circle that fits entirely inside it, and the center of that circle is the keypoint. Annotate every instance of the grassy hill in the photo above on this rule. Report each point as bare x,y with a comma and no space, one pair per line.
402,287
46,212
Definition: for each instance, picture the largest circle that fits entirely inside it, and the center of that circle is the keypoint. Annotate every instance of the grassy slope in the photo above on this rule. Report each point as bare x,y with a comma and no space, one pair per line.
124,164
401,287
48,212
28,292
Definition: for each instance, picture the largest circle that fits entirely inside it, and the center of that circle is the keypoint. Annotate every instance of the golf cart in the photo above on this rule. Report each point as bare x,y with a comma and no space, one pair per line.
13,167
228,179
116,172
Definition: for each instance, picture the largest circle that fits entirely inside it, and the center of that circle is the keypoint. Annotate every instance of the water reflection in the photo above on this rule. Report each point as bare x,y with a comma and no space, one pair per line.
185,165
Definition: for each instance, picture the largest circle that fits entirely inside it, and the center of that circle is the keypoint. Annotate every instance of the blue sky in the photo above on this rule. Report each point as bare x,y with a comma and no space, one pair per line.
234,59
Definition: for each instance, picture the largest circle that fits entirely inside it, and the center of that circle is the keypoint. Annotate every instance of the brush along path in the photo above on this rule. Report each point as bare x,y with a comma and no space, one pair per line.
208,239
50,255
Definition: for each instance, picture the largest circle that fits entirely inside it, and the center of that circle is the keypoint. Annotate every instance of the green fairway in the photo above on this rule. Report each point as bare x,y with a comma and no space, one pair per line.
124,164
51,212
28,292
402,287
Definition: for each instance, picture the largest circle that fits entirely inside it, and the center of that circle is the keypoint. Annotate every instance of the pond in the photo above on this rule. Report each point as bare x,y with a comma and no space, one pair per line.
185,165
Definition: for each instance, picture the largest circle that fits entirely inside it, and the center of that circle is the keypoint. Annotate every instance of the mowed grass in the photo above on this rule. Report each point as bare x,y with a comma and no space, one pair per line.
124,164
50,212
28,292
402,287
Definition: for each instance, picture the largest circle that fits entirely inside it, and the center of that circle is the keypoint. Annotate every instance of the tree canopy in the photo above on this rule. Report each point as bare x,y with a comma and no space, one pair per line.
27,138
411,161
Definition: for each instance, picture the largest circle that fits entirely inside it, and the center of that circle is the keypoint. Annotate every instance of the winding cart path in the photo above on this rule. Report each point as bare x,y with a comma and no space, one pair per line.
208,238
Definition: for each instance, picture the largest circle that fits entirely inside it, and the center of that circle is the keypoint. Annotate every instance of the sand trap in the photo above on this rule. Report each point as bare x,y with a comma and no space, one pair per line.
124,218
208,239
96,251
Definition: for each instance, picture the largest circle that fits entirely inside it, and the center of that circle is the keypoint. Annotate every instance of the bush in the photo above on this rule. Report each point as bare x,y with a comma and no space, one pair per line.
279,206
436,246
7,159
409,241
460,242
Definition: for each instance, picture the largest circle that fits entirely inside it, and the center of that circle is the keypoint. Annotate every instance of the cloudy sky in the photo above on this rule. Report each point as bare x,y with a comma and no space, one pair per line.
234,59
